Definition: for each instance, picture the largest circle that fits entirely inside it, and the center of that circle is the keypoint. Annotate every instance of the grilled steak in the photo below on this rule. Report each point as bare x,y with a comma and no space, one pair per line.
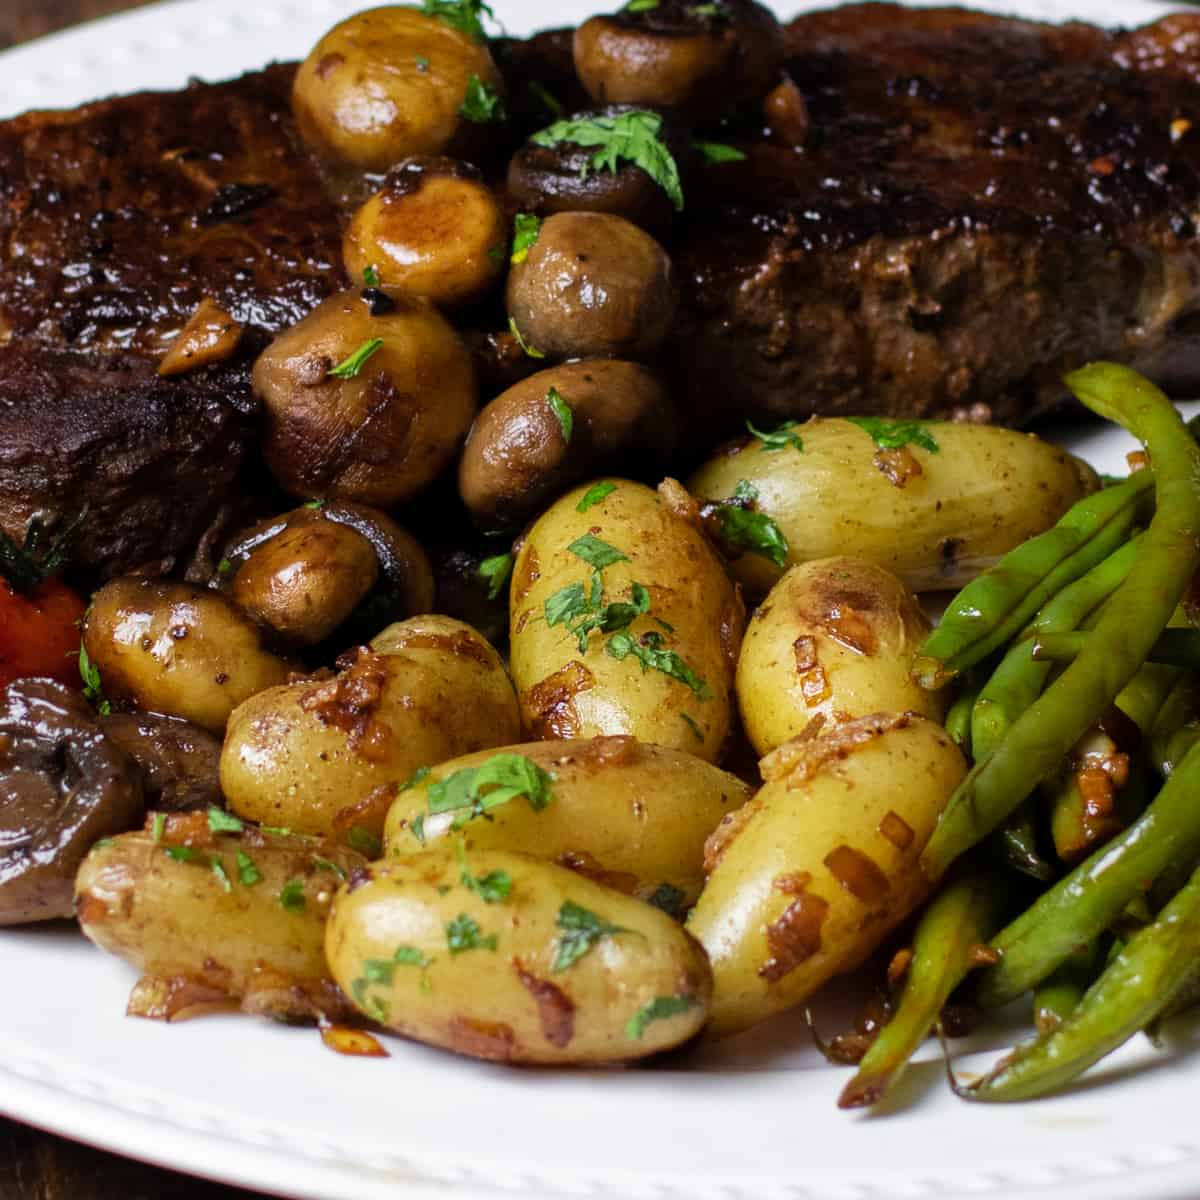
117,220
981,204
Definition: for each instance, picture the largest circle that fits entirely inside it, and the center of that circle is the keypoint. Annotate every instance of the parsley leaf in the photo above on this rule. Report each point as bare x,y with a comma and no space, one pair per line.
571,604
220,821
659,1009
697,732
595,552
714,153
481,103
753,531
566,604
248,872
491,888
323,864
669,899
370,277
562,410
463,933
635,6
92,690
463,15
531,351
526,227
475,791
779,438
891,435
594,494
185,854
291,895
649,652
582,929
496,571
224,567
383,970
631,137
349,367
218,869
364,841
158,825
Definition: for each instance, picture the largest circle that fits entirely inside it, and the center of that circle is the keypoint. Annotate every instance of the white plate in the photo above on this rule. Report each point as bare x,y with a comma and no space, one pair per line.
249,1102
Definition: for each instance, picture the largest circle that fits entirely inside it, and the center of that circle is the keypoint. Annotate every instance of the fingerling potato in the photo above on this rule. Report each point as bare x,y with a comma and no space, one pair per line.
623,621
507,957
210,918
822,864
834,638
633,815
934,517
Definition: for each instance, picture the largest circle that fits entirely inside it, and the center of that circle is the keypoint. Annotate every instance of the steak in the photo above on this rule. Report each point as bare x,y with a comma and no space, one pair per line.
117,220
981,204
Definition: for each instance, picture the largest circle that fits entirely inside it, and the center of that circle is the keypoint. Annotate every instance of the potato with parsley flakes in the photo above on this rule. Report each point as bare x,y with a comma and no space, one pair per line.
623,621
632,815
834,638
328,756
935,502
213,911
808,878
507,957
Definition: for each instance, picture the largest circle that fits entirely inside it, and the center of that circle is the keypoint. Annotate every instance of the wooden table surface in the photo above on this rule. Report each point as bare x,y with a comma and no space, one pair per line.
35,1165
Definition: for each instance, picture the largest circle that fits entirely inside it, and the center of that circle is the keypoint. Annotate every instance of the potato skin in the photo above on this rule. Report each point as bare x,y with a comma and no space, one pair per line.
834,638
178,925
177,649
382,435
620,807
508,1003
566,694
987,490
822,864
427,689
363,99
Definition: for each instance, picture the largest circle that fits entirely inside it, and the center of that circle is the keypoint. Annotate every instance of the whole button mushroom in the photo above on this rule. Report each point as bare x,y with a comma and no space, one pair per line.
702,58
556,428
592,284
434,229
63,786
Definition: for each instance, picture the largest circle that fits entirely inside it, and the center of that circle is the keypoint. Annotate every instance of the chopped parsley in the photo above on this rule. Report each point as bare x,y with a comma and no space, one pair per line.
635,6
463,933
481,103
383,970
594,494
753,531
631,137
464,15
224,567
350,367
892,435
475,791
370,277
422,63
778,438
102,844
531,351
669,899
546,98
582,929
697,732
649,652
495,571
157,825
93,692
491,888
526,227
291,895
323,864
185,854
218,869
220,821
580,612
596,552
562,411
248,872
659,1009
365,842
311,504
715,153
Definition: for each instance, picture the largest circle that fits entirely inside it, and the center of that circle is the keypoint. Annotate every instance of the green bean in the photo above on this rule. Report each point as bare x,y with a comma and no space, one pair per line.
1172,647
1018,680
994,607
1154,966
1059,994
946,945
1176,727
958,717
1131,621
1084,903
1018,843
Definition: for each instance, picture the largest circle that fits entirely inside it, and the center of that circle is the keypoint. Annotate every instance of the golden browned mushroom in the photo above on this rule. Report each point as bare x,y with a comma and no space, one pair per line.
364,407
394,81
699,56
434,229
592,284
558,427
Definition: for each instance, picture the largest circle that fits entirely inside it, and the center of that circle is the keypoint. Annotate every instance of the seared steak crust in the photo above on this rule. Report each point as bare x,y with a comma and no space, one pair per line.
982,203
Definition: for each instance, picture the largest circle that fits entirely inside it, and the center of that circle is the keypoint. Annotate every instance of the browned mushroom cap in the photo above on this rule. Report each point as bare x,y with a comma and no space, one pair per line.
592,284
699,56
179,761
562,178
63,786
524,448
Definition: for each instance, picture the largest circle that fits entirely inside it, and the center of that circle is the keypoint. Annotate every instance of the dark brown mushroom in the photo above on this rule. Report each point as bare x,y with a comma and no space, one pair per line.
63,786
178,760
